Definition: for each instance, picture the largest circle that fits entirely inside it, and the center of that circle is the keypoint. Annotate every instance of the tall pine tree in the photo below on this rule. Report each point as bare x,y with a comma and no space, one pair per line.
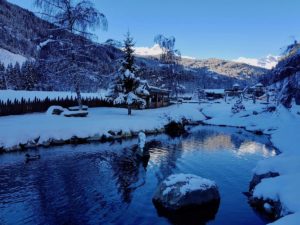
126,88
2,77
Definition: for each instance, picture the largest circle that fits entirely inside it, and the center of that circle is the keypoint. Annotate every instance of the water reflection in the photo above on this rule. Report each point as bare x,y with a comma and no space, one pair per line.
103,184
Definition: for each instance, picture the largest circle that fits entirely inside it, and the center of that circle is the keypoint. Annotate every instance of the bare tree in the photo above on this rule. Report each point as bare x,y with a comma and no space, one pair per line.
79,18
171,57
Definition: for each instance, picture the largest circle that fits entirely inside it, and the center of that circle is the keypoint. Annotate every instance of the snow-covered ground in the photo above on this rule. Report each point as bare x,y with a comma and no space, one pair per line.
8,57
283,125
41,95
23,129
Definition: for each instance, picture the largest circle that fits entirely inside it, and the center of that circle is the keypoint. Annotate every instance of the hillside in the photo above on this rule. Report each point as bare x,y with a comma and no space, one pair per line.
27,36
286,76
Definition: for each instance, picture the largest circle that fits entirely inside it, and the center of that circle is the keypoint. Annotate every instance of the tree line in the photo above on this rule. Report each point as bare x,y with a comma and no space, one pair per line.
23,106
20,77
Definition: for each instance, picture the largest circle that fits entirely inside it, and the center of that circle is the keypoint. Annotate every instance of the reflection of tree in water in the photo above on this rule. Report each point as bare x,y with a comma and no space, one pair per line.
128,172
237,140
67,190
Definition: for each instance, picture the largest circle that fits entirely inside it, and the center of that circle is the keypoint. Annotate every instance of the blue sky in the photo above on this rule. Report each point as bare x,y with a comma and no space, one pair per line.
224,29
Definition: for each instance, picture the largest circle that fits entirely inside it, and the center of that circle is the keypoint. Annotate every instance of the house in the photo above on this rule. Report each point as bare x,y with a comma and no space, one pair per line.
157,97
257,90
213,94
234,91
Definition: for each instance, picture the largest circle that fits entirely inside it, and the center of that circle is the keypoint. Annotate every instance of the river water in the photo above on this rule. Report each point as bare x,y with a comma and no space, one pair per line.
101,184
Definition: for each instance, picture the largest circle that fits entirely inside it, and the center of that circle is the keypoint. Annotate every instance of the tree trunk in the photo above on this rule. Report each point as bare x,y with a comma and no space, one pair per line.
79,100
129,110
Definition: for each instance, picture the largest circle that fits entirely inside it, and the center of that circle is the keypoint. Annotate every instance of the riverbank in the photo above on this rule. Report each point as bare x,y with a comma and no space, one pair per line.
282,125
40,129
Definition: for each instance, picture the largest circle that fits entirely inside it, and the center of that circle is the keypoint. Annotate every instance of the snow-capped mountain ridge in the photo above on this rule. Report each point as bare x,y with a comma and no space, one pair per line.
155,50
268,62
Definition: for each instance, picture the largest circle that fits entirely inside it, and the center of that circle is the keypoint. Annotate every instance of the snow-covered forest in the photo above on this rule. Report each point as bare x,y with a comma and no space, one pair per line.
97,131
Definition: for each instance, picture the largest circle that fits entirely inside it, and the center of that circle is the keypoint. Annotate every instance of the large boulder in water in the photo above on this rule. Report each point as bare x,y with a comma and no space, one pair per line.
187,195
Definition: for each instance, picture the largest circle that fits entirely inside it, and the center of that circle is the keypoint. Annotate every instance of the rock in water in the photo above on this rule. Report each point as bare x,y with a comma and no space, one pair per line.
187,195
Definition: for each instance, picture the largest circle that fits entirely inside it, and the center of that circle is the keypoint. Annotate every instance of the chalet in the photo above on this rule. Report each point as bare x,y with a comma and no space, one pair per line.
234,91
157,97
213,94
257,90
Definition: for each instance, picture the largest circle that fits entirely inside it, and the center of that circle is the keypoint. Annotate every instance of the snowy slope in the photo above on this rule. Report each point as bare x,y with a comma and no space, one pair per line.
8,57
268,62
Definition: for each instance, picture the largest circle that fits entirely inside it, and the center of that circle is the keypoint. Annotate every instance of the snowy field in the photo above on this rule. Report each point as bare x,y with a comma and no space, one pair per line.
27,128
283,125
41,95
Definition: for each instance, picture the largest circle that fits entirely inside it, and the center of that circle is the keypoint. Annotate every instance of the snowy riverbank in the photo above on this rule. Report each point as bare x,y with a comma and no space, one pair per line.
42,129
282,125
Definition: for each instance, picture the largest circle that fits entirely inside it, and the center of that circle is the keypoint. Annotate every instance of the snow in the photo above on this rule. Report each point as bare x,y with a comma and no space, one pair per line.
44,43
284,188
8,57
190,183
292,219
142,140
155,50
148,51
283,126
42,95
55,107
216,91
27,128
268,62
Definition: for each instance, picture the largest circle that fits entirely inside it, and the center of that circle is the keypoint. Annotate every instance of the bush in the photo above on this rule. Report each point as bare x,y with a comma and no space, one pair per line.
175,129
238,107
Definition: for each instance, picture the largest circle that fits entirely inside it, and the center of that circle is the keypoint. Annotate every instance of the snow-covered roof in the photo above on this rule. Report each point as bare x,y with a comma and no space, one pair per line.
214,91
153,89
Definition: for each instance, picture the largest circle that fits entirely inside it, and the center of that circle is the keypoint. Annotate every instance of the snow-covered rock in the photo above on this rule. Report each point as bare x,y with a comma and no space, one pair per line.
79,113
76,108
182,191
55,110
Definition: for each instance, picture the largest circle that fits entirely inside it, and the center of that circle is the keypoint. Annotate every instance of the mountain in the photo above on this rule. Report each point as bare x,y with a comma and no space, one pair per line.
8,57
268,62
26,36
155,50
285,77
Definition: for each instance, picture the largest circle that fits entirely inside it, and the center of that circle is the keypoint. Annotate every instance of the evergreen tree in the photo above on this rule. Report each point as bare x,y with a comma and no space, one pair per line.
29,75
128,62
10,77
2,77
18,81
127,88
